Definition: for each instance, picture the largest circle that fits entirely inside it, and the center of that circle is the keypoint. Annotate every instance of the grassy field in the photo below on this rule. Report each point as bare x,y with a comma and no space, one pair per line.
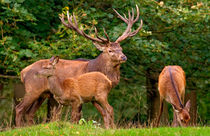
67,129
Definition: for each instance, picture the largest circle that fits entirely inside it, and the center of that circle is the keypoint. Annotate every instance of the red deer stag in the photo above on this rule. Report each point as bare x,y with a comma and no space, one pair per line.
88,87
171,87
108,62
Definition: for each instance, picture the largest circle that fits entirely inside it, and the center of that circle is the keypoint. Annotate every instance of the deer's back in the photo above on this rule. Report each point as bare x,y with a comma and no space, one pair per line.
64,69
165,84
91,83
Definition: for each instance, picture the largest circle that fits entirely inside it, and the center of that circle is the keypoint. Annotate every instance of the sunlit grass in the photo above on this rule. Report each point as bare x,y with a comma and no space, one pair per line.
66,129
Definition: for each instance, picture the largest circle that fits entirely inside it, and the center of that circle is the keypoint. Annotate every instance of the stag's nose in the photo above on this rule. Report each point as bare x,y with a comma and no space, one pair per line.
124,58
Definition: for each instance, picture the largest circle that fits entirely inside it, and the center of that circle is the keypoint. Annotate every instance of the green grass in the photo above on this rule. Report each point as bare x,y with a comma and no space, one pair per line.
67,129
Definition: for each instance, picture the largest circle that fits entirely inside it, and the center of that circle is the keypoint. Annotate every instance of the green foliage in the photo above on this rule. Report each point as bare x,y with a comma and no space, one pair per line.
174,33
6,105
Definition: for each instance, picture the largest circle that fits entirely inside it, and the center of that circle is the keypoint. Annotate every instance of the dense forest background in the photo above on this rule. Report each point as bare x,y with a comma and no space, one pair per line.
173,33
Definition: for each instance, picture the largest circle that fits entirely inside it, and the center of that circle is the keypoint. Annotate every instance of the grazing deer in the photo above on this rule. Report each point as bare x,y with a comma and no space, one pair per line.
171,86
108,63
89,87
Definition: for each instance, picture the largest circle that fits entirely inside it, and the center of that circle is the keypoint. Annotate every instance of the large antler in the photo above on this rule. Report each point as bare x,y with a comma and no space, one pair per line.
74,26
130,21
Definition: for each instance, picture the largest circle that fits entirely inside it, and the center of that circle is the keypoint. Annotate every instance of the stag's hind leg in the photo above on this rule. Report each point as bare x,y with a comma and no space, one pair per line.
32,110
21,108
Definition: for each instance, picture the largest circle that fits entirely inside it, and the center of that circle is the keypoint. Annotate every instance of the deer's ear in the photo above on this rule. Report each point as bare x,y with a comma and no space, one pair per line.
187,105
176,109
99,47
54,60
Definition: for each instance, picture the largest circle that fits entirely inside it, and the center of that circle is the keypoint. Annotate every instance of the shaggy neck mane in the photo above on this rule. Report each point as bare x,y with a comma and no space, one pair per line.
103,64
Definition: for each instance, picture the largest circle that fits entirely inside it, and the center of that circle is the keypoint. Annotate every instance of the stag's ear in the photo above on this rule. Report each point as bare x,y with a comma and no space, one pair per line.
187,105
176,109
99,47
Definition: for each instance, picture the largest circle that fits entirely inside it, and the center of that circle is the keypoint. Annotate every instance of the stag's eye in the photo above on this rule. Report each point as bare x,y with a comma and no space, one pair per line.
110,51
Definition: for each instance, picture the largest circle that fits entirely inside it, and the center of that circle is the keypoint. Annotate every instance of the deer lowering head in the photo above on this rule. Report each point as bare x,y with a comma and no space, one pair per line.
112,50
182,113
171,86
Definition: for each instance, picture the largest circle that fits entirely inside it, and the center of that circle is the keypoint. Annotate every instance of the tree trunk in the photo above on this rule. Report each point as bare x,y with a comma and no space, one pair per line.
1,87
19,92
192,96
153,99
1,90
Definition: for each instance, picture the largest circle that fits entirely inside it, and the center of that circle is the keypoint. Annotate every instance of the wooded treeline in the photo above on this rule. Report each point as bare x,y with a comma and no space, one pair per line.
173,33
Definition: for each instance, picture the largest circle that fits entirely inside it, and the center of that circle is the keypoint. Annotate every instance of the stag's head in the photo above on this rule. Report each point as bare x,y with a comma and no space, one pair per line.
112,50
49,69
182,114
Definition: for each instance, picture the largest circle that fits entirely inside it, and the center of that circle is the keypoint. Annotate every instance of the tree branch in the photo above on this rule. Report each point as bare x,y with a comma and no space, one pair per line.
8,76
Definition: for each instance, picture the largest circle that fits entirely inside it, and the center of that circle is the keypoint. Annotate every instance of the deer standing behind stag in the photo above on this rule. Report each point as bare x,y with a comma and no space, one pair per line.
108,62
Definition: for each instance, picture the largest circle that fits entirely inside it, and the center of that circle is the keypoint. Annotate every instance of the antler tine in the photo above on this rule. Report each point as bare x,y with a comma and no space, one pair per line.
129,17
128,29
62,20
137,14
68,16
137,30
106,34
125,34
74,26
75,21
129,24
132,14
125,18
130,21
120,16
96,33
70,21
